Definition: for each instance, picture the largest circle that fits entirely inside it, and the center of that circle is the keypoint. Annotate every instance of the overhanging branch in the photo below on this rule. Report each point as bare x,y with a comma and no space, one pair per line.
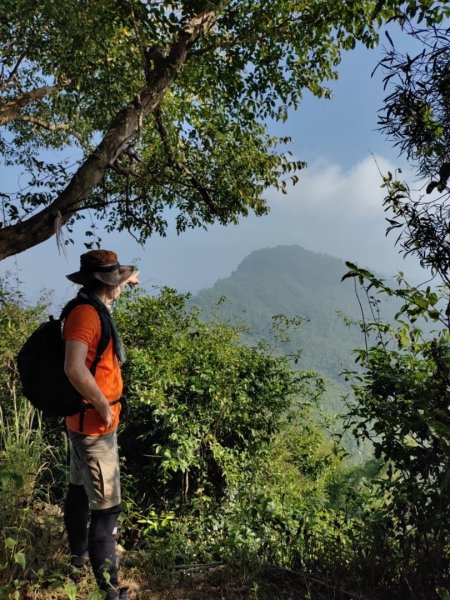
49,126
10,109
123,127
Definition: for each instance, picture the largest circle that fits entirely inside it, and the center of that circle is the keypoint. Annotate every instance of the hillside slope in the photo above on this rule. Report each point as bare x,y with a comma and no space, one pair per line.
292,281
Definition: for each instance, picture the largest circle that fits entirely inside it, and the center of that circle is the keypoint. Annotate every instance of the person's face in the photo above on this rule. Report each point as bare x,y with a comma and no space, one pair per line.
132,280
114,291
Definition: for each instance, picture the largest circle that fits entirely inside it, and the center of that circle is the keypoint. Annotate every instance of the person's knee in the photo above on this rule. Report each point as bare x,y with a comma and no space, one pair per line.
76,494
103,526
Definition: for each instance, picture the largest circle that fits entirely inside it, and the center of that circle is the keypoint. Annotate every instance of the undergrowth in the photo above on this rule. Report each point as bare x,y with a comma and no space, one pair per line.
231,487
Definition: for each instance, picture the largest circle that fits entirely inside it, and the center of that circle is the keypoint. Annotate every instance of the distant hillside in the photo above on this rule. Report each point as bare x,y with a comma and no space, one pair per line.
293,281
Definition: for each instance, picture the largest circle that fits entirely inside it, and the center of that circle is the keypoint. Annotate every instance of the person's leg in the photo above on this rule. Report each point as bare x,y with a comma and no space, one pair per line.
76,517
102,548
99,468
76,510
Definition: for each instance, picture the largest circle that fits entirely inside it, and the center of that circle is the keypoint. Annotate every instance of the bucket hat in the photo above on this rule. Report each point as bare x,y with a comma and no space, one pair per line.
102,265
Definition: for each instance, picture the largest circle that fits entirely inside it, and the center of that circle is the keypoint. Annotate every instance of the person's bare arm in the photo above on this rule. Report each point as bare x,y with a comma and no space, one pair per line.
82,379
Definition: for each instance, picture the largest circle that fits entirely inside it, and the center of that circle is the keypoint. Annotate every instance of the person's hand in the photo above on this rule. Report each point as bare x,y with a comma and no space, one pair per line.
133,279
106,414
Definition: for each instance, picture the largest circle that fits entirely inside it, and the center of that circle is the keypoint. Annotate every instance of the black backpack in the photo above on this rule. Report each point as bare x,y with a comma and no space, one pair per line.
41,365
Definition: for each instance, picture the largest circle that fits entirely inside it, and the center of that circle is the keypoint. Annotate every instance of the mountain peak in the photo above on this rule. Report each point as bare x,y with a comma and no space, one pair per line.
293,281
319,270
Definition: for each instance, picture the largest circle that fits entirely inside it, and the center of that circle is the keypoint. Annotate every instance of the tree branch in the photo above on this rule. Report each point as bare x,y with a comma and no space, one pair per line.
124,126
180,166
49,126
10,109
13,72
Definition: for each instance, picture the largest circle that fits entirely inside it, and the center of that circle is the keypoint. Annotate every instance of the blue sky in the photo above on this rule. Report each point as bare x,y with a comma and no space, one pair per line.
336,208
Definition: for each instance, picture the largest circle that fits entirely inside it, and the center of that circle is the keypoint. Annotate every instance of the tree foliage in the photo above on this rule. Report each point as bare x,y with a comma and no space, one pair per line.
162,105
416,116
416,113
203,404
402,405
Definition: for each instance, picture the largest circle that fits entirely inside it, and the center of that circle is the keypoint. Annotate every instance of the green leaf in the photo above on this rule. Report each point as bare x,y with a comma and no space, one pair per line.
96,595
19,558
10,543
71,589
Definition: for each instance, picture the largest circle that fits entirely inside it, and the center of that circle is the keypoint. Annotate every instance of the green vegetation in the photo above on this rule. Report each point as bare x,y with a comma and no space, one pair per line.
402,405
213,415
226,462
227,466
294,299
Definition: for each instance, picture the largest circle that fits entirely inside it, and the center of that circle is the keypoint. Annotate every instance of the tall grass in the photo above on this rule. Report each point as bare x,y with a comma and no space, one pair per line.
22,446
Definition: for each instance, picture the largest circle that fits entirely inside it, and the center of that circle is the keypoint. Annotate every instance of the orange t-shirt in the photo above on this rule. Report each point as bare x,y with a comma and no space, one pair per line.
83,324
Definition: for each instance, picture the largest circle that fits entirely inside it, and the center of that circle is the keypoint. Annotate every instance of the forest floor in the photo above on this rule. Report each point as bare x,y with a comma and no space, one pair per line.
225,583
217,582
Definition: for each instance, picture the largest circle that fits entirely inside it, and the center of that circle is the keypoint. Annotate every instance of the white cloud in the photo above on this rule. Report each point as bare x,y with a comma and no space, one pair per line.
330,210
326,190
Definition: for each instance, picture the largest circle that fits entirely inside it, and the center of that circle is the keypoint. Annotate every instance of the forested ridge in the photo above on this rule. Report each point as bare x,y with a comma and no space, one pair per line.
296,301
306,288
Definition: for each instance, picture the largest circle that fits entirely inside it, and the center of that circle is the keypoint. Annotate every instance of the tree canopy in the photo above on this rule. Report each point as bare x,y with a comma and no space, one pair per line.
416,116
157,108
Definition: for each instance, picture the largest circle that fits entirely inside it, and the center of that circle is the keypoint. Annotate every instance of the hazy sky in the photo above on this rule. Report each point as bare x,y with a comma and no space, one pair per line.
336,207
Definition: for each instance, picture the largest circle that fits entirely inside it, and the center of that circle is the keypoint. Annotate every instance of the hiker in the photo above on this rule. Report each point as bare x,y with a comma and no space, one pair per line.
94,481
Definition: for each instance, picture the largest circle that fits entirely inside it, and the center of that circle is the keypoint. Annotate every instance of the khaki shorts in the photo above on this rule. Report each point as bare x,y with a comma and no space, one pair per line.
94,463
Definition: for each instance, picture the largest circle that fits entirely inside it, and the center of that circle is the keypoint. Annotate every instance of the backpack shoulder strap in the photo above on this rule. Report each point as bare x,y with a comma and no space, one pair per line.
105,324
105,336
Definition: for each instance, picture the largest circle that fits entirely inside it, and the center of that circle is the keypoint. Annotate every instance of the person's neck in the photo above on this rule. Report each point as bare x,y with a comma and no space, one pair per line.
104,299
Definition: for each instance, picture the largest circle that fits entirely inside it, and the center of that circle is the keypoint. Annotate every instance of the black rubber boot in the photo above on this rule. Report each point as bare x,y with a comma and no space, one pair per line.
121,594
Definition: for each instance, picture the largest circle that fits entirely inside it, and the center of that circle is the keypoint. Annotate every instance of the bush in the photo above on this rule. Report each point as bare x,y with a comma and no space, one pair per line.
219,435
402,405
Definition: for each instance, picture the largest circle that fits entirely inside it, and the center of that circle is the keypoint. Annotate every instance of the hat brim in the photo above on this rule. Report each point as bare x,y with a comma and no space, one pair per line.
115,277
